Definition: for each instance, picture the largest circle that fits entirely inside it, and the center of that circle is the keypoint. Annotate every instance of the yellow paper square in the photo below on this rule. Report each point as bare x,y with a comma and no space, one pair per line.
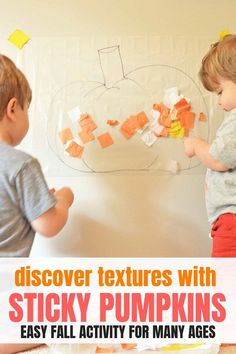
19,38
224,33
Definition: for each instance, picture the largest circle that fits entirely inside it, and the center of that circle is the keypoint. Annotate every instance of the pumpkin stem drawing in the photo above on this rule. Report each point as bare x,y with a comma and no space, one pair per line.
111,65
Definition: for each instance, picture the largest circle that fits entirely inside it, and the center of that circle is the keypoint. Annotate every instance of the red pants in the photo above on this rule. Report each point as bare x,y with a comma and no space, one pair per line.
223,233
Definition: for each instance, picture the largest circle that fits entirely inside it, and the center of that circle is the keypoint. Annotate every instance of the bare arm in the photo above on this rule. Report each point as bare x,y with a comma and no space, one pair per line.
11,348
200,148
51,223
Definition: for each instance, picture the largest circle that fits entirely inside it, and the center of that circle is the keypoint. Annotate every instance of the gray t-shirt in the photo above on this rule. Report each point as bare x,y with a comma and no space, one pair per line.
221,186
24,196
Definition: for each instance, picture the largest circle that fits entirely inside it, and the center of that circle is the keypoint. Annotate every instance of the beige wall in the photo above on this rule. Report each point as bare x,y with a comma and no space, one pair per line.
130,17
127,214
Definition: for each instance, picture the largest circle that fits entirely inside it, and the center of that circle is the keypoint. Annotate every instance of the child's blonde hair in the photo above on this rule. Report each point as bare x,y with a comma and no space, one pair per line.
13,83
219,62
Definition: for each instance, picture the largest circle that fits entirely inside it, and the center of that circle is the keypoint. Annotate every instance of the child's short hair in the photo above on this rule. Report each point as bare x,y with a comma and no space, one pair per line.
219,62
13,83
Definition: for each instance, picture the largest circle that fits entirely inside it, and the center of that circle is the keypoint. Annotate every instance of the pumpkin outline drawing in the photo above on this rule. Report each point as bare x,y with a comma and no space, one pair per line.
90,94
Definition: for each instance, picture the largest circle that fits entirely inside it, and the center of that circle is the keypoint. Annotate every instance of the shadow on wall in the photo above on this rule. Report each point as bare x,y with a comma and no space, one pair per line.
106,241
138,222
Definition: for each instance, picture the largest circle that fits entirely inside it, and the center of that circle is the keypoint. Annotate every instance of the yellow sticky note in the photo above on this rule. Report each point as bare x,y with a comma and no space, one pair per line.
19,38
224,33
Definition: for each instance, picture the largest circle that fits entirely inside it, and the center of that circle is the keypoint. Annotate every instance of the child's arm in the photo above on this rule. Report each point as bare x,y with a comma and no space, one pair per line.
50,223
200,148
11,348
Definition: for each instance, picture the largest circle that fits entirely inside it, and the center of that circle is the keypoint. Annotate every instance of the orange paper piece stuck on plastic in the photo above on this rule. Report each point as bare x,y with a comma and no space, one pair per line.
186,132
186,119
105,140
131,124
202,117
164,118
165,121
75,150
182,105
156,106
112,122
86,136
128,127
104,350
142,119
86,123
161,107
128,346
65,135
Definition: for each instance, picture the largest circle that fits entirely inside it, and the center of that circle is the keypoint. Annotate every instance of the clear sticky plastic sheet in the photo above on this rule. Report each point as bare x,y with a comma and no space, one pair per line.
111,79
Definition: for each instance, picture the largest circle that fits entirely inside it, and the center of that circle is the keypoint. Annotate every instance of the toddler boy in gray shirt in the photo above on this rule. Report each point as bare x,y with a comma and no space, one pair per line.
218,74
26,204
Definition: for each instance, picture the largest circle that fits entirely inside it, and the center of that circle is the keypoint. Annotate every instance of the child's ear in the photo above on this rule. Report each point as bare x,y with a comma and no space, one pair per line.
11,109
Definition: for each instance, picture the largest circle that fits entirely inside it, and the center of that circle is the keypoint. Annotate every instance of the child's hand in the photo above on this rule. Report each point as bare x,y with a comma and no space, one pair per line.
189,147
52,221
66,195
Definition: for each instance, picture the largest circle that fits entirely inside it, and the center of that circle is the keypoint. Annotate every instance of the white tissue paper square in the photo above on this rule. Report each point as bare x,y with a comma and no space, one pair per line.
149,138
74,114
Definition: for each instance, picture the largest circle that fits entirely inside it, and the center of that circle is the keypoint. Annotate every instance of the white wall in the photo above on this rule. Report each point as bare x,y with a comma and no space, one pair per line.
126,214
